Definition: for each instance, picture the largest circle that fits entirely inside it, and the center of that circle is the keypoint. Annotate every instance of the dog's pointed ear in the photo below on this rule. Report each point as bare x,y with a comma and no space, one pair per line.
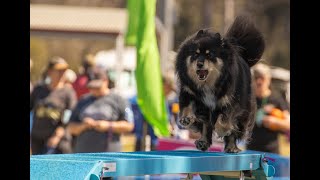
200,32
218,36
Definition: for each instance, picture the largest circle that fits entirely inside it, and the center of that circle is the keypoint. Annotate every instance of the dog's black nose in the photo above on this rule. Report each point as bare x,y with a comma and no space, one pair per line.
200,64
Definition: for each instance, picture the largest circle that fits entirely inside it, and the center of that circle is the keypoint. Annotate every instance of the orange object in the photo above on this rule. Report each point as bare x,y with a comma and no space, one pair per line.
175,108
278,114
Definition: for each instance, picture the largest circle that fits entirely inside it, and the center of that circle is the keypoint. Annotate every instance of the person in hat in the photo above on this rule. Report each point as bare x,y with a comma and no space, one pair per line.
272,115
70,77
100,117
51,104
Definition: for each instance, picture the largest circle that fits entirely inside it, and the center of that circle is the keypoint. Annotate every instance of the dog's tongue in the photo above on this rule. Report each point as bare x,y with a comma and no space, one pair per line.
202,73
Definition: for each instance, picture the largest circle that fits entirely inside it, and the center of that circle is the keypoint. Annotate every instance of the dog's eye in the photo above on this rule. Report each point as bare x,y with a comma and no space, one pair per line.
196,55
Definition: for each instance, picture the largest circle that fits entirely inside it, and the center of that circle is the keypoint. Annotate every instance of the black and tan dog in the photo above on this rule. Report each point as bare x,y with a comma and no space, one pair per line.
214,76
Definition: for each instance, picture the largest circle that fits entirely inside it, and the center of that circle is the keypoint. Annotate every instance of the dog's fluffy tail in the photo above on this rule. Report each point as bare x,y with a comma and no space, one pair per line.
248,38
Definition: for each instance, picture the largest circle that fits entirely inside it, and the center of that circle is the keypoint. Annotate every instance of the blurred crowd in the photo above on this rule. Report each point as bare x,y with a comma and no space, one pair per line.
73,112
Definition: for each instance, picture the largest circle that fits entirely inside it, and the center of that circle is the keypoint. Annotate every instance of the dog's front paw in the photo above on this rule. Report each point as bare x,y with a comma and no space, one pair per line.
233,149
202,145
187,121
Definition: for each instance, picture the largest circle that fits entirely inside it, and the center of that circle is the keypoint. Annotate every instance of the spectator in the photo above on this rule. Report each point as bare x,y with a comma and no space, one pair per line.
51,104
100,117
70,77
80,84
171,96
138,127
272,115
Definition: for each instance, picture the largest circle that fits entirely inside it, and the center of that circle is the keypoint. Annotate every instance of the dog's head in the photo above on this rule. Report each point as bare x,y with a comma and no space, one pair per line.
203,57
200,57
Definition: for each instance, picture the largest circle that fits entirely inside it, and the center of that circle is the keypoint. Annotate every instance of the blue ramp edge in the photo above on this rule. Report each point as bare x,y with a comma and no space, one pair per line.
280,163
90,165
59,169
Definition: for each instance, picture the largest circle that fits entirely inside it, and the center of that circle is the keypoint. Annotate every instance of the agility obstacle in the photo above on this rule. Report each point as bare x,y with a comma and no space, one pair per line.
109,165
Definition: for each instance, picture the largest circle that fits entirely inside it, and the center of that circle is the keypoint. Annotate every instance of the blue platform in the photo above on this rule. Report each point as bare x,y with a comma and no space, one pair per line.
94,166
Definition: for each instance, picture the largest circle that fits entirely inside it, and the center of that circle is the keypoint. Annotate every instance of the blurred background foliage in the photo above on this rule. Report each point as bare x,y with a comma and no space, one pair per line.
272,18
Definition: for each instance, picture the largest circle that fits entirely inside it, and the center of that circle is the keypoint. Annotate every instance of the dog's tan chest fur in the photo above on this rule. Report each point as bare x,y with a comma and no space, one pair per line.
209,99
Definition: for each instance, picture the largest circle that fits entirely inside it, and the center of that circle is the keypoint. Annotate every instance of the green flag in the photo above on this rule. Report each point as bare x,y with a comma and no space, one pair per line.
148,73
133,19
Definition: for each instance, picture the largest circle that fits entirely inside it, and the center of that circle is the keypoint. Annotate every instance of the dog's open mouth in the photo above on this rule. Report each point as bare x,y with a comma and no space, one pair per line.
202,74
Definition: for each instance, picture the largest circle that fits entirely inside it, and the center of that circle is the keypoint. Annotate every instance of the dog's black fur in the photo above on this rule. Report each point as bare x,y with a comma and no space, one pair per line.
215,88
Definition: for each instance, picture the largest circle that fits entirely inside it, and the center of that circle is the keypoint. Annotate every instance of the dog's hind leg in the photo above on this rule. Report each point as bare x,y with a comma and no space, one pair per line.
222,126
231,144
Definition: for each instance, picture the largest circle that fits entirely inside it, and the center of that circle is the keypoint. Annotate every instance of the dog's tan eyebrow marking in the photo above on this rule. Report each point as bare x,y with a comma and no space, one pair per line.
207,51
198,51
